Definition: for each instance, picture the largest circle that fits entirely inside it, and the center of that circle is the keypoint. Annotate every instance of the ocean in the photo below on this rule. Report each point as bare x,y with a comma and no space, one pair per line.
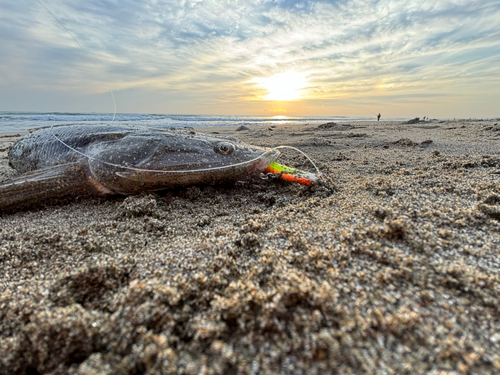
21,121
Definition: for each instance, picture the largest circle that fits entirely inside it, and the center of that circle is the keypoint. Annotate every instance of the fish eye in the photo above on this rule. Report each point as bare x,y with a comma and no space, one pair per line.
224,148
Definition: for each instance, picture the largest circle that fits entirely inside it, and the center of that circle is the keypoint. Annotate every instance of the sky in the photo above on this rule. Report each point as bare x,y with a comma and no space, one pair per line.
403,58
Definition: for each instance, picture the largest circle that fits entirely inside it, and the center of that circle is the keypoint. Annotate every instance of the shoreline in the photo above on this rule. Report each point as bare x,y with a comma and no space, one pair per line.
229,127
251,126
232,128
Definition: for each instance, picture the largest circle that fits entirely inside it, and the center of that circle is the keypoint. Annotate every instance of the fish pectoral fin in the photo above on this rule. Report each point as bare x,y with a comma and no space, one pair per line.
60,181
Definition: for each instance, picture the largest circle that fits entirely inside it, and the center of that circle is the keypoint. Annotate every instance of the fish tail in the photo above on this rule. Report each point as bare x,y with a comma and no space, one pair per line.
44,186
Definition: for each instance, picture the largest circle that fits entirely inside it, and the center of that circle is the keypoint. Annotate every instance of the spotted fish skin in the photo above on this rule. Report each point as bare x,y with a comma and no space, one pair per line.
82,160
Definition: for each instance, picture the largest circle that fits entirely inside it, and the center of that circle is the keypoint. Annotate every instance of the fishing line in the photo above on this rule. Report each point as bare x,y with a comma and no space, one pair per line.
364,109
303,153
126,167
151,170
376,114
83,49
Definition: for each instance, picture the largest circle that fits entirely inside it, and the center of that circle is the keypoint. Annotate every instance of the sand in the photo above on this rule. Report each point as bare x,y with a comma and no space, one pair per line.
391,268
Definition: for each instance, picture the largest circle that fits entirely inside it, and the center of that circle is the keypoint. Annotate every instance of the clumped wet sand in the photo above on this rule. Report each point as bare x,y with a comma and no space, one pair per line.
391,268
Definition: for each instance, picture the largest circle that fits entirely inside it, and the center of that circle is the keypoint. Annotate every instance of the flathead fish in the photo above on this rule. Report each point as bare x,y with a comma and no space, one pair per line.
82,160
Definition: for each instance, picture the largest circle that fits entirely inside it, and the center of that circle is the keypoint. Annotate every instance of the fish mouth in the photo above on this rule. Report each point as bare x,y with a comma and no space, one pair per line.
265,159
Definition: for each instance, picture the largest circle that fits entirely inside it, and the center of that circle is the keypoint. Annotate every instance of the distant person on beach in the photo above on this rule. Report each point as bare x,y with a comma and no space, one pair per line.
378,117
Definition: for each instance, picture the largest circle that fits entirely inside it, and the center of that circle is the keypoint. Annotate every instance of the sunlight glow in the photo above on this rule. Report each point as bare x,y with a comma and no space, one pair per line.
385,86
283,86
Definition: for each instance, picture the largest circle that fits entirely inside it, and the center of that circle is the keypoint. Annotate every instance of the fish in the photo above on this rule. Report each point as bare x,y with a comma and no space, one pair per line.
99,160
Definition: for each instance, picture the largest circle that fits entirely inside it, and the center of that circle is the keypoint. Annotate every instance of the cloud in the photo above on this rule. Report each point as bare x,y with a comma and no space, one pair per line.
212,51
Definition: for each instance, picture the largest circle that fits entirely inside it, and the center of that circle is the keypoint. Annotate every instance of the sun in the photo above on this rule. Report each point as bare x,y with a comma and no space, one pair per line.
283,86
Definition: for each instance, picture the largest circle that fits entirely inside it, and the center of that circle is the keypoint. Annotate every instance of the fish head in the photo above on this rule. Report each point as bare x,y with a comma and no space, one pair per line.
148,161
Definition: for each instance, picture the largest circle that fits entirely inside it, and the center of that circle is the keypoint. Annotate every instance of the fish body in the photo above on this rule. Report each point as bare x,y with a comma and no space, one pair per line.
81,160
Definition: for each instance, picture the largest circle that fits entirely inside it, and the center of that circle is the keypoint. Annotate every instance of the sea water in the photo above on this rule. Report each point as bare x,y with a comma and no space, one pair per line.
22,121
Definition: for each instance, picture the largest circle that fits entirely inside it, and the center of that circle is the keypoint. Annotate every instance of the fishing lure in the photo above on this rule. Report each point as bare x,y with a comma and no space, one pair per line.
290,174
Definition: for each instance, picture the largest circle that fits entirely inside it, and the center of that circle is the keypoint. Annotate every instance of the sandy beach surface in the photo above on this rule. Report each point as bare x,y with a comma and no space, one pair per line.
393,267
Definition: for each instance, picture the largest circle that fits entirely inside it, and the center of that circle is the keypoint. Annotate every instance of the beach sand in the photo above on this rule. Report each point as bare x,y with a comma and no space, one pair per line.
391,268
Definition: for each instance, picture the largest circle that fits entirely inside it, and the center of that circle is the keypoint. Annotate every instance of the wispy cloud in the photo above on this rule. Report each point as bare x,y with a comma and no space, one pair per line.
201,54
